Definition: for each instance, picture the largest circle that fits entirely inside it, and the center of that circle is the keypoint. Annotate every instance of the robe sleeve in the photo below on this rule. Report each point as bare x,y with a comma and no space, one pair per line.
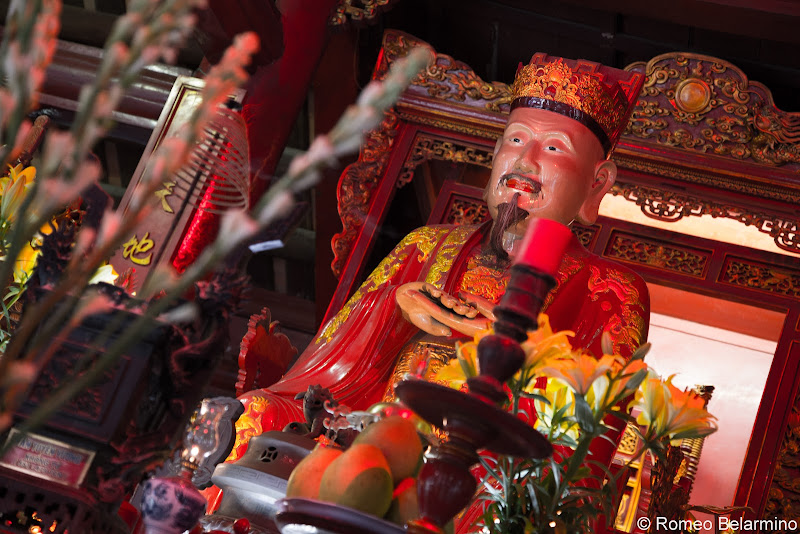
354,352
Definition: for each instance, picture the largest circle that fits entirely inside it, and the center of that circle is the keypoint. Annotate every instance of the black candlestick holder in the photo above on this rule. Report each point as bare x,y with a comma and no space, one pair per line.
474,421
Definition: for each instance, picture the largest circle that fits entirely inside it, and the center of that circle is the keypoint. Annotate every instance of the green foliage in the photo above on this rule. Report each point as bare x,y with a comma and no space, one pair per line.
567,492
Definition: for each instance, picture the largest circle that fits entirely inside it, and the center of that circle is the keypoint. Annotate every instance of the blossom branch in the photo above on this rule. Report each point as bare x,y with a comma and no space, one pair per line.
172,153
237,226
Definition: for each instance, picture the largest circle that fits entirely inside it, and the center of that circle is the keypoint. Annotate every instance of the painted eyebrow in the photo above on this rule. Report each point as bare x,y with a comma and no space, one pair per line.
513,128
560,136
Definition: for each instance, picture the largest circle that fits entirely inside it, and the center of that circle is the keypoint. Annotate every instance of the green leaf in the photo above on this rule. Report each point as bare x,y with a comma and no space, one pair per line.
536,397
635,381
640,352
695,433
584,415
466,367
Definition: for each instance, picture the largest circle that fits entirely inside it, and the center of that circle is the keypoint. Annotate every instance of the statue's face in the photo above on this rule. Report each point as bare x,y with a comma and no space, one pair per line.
554,162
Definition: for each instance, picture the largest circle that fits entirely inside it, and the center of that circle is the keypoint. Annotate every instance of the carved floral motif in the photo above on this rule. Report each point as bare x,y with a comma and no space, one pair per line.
708,105
357,11
629,441
446,79
669,206
708,179
356,186
664,256
585,234
761,277
464,211
427,147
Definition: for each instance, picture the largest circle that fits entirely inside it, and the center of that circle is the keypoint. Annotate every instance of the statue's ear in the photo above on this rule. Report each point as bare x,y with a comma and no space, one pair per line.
605,174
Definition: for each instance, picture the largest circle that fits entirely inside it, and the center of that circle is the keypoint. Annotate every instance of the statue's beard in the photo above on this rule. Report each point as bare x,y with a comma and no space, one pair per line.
508,215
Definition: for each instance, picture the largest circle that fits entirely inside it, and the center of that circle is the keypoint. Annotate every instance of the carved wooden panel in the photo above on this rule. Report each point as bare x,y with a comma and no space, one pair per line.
585,234
463,211
447,79
356,186
761,277
670,206
783,499
427,147
708,105
630,248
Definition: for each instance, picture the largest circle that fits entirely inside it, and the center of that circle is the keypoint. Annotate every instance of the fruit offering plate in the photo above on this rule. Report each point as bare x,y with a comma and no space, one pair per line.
307,516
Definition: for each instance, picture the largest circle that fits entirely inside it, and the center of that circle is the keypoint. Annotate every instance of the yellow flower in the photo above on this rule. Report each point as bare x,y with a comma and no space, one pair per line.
579,370
26,260
464,365
612,387
560,398
669,411
543,344
13,189
104,273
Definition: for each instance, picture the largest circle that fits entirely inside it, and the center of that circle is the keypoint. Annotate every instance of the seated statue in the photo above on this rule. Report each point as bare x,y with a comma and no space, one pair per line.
551,162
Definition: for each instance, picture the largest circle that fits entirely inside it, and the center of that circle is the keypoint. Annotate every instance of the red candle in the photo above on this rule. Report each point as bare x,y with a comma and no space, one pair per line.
544,245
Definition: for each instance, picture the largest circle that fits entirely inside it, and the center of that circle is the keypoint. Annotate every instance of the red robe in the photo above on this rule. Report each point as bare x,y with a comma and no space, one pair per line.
354,354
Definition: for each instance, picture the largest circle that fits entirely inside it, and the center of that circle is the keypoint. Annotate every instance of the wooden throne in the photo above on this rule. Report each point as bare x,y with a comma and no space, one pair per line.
704,141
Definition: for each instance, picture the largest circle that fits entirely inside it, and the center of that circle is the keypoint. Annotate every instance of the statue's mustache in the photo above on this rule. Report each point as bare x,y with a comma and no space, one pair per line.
521,182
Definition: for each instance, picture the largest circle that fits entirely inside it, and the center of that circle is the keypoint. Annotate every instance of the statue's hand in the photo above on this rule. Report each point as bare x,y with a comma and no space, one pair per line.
437,312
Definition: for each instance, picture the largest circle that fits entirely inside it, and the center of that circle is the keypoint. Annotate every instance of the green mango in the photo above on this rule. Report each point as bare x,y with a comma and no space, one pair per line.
397,438
305,479
360,478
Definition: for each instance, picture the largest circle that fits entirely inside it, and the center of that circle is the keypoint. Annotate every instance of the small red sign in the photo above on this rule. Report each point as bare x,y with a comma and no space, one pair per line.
47,458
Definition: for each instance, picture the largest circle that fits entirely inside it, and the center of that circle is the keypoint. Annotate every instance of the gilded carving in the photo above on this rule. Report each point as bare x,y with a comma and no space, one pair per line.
669,206
357,11
664,256
464,211
708,105
761,277
447,79
357,185
627,445
427,147
585,234
421,359
486,133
